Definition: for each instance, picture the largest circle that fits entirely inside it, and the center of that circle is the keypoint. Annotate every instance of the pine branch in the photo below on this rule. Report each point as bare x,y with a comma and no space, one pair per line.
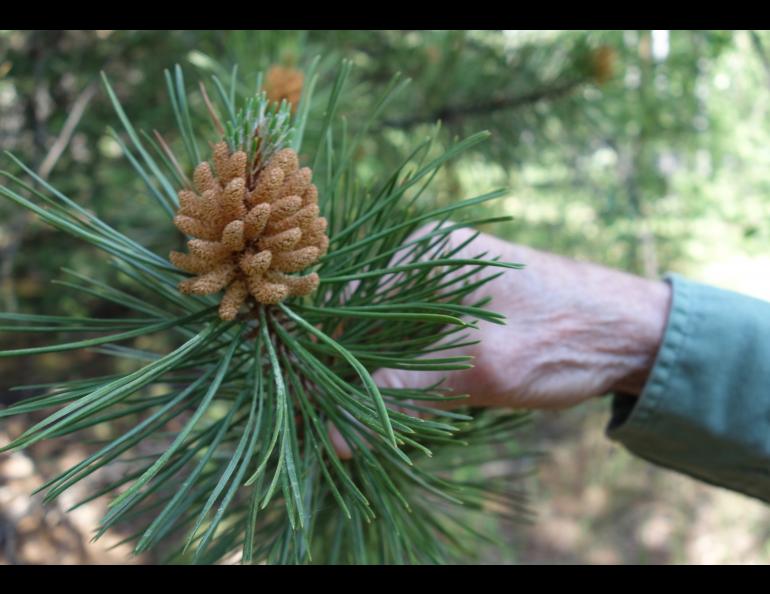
242,401
453,114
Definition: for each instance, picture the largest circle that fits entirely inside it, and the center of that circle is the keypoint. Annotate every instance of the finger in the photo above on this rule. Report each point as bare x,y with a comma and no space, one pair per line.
340,445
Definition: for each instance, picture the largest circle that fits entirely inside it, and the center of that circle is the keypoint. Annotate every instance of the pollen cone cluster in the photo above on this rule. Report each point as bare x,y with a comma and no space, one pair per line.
250,235
284,83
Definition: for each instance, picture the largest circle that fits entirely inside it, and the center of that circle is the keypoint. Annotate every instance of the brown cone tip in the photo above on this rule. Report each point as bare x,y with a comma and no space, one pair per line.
603,63
247,240
284,83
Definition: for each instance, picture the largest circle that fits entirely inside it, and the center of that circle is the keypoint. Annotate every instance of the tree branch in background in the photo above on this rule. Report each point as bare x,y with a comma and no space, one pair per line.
56,150
16,228
760,49
451,114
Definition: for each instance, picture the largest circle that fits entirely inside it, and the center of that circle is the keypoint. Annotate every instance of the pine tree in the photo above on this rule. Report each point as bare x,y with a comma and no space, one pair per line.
325,280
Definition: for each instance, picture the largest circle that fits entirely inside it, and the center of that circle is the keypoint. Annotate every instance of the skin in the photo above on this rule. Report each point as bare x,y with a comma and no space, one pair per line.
574,331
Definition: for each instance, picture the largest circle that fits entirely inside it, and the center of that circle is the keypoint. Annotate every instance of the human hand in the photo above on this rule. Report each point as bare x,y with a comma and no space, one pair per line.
574,330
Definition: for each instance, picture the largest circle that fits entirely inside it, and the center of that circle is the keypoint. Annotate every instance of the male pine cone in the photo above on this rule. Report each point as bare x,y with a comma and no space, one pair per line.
284,83
250,231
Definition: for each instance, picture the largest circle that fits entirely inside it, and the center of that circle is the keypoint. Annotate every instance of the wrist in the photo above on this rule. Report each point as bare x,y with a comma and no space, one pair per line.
640,308
606,329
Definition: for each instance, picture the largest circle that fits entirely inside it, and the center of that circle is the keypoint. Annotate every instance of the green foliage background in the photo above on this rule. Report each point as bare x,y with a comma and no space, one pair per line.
645,170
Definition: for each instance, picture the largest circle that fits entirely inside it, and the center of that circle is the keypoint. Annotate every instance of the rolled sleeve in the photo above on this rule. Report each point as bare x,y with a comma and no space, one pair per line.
705,410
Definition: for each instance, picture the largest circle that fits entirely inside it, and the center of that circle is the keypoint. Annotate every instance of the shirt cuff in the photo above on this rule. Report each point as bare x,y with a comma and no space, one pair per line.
705,410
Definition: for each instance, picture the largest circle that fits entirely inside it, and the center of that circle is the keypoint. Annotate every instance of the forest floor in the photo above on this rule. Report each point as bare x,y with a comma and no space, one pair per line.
595,504
32,532
598,504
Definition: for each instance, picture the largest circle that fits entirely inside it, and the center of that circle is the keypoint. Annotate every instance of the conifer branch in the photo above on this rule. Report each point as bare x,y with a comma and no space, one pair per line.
323,285
453,114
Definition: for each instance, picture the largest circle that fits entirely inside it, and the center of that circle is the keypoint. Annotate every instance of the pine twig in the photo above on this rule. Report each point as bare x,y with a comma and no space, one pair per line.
8,254
73,119
450,114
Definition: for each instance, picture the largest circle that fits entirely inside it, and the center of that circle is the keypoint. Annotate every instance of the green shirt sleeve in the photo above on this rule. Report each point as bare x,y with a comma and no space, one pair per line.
705,410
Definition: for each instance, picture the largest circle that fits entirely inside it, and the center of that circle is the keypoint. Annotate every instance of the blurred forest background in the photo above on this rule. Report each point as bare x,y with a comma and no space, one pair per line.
644,150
